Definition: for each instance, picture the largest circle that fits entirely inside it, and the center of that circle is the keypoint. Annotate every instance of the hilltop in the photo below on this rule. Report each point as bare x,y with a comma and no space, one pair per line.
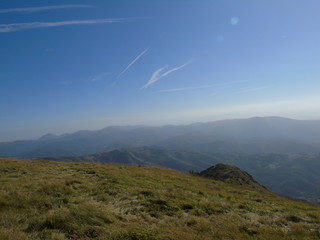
58,200
231,174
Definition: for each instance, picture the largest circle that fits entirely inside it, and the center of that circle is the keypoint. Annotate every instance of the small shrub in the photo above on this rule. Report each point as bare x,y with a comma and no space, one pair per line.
159,204
293,218
147,193
249,231
72,182
191,222
201,193
187,206
4,203
159,207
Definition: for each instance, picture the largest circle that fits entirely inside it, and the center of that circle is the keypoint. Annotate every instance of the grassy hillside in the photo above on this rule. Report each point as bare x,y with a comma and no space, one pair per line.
293,175
57,200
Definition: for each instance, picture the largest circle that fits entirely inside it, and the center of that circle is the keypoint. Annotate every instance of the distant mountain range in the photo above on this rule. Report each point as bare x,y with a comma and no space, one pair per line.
253,135
282,154
292,175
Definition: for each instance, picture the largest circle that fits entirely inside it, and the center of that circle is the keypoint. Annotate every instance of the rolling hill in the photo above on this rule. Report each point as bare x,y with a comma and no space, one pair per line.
231,174
292,175
58,201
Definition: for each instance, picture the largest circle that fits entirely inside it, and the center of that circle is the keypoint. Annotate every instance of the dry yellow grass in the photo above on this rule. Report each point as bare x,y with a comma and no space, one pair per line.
56,200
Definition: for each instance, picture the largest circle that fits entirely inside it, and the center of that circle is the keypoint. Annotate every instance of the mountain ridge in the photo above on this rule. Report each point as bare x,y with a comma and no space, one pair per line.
253,135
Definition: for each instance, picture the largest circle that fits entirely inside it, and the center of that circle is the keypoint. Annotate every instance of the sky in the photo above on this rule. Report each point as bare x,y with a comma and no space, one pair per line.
72,65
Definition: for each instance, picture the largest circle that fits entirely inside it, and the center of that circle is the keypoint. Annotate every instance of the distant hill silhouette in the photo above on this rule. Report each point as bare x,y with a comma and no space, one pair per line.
253,135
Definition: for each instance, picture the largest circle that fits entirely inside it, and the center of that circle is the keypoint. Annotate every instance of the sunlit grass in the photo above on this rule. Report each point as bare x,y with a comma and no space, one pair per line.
55,200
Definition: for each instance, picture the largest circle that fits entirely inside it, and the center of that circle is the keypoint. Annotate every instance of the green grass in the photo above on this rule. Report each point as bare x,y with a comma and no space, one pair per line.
56,200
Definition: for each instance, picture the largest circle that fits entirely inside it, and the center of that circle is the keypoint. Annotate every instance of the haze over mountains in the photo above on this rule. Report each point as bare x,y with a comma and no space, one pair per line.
282,154
253,135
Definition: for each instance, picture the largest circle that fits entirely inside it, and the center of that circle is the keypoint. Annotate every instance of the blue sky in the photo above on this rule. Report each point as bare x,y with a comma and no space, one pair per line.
71,65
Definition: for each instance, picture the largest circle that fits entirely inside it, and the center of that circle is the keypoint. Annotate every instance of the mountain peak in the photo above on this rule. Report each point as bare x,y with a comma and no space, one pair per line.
231,174
48,136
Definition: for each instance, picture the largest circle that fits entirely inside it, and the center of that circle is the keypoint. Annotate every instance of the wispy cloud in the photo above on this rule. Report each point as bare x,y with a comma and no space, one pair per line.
14,27
134,61
186,89
45,8
175,69
234,21
203,86
157,75
99,77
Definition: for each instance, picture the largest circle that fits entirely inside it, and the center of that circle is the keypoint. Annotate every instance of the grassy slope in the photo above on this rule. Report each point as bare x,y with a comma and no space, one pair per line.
291,175
56,200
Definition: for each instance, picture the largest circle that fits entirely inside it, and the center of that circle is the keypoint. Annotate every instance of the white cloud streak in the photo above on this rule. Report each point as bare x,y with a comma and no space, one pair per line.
99,77
175,69
14,27
186,89
203,86
133,62
45,8
156,76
